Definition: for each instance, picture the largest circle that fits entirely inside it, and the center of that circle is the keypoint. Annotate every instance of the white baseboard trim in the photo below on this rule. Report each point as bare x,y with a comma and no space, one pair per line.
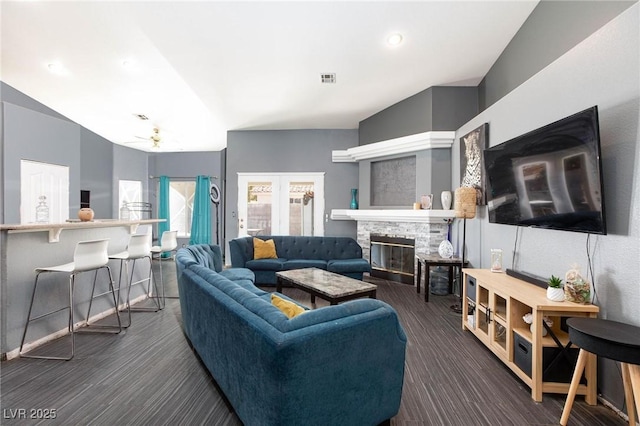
15,353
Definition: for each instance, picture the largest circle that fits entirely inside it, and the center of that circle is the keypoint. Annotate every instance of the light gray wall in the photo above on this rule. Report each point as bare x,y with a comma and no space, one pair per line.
31,135
565,23
602,70
96,167
16,97
1,162
186,166
293,151
128,164
34,131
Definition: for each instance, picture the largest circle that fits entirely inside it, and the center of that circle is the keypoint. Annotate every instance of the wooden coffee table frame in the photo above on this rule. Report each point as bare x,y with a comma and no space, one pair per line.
310,288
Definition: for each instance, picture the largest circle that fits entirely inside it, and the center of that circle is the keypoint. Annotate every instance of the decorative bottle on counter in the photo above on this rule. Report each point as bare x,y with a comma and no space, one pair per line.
42,210
124,212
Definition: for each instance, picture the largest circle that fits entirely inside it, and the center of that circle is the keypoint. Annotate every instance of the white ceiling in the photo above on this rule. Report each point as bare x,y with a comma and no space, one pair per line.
198,69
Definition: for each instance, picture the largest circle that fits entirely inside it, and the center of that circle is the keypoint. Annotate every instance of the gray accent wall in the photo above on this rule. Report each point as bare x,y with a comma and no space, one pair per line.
186,166
601,70
1,162
293,151
33,131
436,108
128,164
565,24
31,135
96,168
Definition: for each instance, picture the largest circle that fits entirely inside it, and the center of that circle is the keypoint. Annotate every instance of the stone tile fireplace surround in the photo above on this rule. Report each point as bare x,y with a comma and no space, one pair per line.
427,227
427,236
432,174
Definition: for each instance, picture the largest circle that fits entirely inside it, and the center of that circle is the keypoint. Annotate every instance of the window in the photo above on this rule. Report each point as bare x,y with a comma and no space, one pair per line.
181,196
130,191
280,204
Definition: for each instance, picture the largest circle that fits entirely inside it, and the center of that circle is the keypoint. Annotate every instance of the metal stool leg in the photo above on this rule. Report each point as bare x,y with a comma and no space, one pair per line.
160,296
124,264
152,279
29,320
106,328
149,279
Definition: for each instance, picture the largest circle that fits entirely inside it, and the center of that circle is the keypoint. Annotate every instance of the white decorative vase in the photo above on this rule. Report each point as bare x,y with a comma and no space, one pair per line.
445,199
555,294
544,330
445,250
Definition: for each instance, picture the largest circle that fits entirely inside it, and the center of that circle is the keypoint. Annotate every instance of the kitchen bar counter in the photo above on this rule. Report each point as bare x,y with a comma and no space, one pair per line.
55,229
25,247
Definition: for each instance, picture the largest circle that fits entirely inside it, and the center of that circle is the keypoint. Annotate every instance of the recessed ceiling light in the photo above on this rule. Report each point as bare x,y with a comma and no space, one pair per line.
395,39
56,68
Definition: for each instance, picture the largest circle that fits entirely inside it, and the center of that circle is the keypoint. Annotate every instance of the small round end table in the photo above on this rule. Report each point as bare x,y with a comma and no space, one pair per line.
609,339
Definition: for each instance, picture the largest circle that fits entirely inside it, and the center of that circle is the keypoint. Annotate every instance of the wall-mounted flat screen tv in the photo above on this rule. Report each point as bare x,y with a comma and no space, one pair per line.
550,177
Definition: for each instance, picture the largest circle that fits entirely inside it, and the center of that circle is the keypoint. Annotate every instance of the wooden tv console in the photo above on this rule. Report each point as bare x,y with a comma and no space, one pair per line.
494,306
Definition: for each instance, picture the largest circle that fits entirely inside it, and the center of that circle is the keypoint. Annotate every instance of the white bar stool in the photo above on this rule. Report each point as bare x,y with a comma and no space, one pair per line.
88,256
168,243
139,247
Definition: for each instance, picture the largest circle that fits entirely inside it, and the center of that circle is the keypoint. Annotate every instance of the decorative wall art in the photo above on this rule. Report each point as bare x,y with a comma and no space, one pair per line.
471,173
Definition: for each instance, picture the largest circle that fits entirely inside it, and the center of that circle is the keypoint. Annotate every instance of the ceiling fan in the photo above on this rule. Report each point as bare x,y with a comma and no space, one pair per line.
155,139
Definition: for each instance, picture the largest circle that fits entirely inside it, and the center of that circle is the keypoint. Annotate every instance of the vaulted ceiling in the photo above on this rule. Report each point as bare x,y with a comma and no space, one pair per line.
201,68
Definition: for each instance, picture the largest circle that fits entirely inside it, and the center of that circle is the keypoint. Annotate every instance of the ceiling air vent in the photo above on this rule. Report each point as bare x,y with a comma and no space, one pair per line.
328,78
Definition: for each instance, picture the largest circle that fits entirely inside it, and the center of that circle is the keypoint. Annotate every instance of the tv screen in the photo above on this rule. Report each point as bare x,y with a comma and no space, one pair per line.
550,177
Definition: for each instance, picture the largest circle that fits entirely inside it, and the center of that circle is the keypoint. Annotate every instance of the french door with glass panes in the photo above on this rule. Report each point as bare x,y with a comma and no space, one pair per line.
280,204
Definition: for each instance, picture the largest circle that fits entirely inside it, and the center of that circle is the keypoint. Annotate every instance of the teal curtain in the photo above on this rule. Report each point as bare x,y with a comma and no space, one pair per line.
164,209
201,220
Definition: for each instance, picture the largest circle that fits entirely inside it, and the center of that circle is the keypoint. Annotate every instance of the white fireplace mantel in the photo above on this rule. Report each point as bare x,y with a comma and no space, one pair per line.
402,145
378,215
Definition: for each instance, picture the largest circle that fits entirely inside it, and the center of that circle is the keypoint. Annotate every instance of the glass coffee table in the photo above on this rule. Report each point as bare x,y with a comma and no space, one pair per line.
332,287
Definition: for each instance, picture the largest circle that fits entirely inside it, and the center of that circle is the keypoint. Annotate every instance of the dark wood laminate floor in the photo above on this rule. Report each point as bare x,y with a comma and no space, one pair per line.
150,376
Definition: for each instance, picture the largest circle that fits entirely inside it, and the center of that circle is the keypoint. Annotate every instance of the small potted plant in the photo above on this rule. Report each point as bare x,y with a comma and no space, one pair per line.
555,291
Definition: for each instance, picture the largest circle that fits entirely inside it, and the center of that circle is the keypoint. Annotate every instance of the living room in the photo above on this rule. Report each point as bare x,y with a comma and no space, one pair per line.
600,68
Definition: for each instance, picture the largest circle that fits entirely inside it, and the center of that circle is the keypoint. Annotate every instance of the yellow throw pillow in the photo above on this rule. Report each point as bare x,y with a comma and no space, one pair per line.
264,249
288,308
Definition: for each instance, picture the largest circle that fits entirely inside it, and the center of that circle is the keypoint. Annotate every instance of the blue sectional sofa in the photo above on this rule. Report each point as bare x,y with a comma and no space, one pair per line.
336,365
342,255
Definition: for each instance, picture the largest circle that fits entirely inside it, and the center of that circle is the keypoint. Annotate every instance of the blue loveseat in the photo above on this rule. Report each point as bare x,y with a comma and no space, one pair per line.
337,365
342,255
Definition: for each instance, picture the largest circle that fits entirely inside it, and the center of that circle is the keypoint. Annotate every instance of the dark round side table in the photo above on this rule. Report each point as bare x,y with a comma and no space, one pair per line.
608,339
